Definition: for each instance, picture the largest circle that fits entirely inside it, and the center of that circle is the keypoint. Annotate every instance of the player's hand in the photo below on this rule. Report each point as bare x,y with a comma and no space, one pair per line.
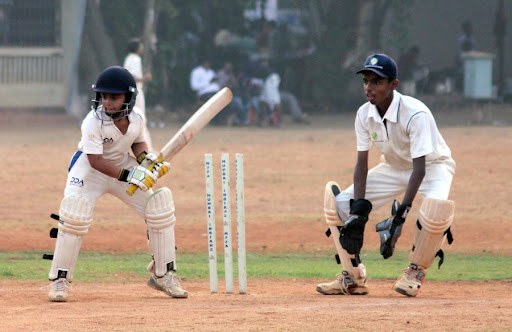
160,167
139,176
352,233
391,228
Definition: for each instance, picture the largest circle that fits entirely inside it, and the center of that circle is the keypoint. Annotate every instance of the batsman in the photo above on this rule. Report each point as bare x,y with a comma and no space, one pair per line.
415,159
112,132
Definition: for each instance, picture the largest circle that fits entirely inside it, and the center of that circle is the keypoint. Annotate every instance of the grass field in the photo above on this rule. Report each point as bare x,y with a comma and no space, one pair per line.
104,267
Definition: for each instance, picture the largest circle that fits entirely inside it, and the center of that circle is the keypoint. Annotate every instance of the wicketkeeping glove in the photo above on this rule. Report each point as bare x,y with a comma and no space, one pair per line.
391,228
352,233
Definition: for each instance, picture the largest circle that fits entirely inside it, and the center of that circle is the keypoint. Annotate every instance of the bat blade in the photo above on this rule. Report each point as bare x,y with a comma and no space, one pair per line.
196,123
192,127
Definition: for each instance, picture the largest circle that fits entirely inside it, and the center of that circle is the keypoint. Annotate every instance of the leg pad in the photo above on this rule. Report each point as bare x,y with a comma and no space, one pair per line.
160,220
434,221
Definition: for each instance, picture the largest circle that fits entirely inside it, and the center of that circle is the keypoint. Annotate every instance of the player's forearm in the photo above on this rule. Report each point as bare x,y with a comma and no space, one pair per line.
138,148
360,174
103,165
417,175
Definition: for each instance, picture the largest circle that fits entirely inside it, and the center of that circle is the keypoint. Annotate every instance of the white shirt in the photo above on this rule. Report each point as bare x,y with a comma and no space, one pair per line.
270,92
103,137
409,132
133,63
201,80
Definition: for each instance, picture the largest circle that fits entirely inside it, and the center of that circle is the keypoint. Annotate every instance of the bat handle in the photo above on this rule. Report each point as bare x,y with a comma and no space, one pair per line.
133,188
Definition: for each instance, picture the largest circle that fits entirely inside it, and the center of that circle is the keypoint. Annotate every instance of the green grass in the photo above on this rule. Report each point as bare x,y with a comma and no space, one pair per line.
105,267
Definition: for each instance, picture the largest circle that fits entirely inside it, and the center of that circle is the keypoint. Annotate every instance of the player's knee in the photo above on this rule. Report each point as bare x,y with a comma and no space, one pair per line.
75,215
159,211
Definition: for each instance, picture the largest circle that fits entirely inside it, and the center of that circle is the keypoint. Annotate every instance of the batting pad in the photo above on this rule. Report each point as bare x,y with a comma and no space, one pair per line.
75,217
349,262
160,220
330,209
435,217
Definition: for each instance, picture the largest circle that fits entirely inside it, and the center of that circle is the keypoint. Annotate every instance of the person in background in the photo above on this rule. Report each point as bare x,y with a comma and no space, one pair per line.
226,77
133,63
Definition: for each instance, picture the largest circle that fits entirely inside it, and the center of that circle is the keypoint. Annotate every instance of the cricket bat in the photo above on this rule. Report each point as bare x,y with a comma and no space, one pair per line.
191,128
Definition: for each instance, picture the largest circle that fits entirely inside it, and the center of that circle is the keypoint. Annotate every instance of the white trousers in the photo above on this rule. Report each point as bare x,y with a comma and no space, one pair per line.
385,183
87,182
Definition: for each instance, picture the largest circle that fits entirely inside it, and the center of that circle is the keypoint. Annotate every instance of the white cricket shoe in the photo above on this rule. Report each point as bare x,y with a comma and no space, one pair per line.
344,284
59,290
169,284
410,282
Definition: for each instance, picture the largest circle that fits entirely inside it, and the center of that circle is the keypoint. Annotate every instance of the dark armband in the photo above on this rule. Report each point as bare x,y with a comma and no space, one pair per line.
141,157
123,175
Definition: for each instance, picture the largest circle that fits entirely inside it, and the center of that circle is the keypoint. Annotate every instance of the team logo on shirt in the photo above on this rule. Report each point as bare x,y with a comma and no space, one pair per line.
76,182
374,136
107,140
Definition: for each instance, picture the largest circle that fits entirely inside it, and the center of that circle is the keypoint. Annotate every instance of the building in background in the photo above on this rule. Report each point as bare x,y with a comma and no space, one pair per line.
39,48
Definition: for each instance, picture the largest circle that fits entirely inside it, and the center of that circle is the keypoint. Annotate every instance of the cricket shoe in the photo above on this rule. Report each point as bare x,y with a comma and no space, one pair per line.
169,284
59,290
344,284
410,282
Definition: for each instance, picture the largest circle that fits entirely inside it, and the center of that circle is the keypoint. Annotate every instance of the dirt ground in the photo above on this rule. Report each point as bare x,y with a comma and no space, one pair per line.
285,173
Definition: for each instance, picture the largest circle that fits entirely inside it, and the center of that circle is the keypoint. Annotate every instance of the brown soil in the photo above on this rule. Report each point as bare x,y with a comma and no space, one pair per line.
285,173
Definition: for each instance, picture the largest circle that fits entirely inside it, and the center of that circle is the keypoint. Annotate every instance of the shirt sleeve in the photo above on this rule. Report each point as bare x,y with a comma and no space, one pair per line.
420,135
92,143
362,134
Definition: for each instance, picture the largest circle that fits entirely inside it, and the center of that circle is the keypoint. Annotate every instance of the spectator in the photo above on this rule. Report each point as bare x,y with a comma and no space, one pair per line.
465,43
250,91
226,77
205,83
270,98
133,63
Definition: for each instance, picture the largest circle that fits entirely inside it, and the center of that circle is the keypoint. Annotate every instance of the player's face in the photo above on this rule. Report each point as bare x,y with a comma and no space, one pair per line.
112,104
378,90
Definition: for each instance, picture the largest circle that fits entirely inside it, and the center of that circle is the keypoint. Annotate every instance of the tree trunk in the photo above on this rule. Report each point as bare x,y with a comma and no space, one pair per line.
97,51
372,14
149,38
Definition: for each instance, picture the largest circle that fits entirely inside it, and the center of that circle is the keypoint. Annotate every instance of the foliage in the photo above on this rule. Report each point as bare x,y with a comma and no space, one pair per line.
186,30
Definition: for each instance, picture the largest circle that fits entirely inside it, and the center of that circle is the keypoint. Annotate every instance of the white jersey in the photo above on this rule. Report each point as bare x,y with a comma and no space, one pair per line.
103,137
407,131
133,63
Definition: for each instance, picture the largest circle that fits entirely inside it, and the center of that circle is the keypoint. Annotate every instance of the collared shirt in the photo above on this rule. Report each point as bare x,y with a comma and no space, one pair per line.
103,137
407,131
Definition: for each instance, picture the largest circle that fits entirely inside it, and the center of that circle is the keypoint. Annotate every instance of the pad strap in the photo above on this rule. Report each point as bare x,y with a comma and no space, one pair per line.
75,217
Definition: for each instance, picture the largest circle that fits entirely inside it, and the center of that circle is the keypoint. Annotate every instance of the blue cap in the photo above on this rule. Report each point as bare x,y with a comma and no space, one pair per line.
382,65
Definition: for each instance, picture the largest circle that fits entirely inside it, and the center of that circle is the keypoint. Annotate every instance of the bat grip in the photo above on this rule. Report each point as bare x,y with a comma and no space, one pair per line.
133,188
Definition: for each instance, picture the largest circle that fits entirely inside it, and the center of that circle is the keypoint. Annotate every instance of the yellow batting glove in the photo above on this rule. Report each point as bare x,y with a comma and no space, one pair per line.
139,176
